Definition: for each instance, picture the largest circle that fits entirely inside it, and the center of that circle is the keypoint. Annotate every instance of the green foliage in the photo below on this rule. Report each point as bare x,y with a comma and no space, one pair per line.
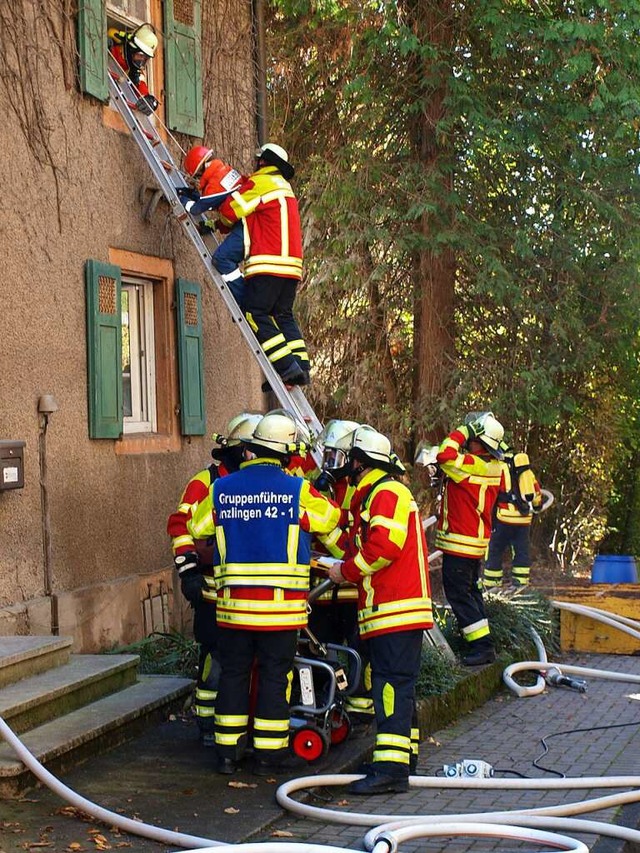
164,654
437,674
511,618
470,178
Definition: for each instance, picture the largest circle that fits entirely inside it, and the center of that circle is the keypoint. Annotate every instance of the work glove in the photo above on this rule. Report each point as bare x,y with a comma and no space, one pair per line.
187,194
205,227
191,578
325,481
147,105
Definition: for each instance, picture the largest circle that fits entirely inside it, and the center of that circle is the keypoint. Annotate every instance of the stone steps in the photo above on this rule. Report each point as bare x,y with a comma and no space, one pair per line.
66,708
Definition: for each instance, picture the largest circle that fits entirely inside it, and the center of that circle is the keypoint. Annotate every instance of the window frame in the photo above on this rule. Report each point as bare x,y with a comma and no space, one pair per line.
160,272
142,370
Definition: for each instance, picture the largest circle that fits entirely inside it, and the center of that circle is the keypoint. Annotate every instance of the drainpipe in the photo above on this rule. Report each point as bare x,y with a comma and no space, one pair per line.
260,47
46,406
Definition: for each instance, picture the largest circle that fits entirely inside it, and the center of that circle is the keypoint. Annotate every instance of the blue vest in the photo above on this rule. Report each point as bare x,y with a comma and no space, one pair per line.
258,534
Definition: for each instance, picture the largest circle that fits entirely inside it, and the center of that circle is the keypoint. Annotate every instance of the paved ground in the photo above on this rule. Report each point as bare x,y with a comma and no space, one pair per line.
166,779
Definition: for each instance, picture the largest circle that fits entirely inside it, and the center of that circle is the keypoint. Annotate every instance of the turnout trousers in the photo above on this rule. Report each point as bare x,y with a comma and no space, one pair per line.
268,306
462,587
395,665
205,633
516,538
273,652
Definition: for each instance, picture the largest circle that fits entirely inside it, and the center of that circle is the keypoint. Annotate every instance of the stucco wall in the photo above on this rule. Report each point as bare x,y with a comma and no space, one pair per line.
71,192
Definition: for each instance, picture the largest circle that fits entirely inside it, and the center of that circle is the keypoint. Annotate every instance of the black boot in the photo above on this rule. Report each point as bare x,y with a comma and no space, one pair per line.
287,764
478,657
379,783
227,766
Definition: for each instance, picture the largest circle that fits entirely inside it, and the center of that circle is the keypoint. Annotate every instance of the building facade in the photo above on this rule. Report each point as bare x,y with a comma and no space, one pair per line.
118,358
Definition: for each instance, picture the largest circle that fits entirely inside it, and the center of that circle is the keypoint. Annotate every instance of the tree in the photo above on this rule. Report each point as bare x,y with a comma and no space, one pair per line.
470,186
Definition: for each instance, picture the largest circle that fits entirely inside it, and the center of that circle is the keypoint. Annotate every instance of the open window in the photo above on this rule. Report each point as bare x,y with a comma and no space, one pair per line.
174,75
144,353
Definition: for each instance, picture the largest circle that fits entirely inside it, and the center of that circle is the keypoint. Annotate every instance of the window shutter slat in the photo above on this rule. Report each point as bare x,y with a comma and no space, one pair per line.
92,47
190,357
104,349
183,67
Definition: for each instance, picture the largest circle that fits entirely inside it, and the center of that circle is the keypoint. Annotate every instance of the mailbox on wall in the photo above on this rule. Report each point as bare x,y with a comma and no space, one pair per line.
11,464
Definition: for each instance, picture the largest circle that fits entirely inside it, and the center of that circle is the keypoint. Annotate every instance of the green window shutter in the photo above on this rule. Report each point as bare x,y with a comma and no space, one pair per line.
183,67
104,349
193,419
92,47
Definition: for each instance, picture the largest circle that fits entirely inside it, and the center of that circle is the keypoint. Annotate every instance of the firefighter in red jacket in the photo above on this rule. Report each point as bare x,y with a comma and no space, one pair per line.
200,592
514,511
388,561
334,617
469,458
262,519
132,51
268,209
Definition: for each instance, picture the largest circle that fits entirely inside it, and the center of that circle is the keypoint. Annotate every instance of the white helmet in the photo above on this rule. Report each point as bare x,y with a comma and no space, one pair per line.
276,156
488,431
334,456
304,436
278,432
426,454
145,39
241,427
373,448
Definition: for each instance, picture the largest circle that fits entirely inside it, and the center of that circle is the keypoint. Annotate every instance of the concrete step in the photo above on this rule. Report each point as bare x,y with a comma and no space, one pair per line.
21,657
66,741
85,678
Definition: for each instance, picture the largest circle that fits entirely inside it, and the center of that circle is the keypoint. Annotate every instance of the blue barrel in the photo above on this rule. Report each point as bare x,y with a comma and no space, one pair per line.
611,568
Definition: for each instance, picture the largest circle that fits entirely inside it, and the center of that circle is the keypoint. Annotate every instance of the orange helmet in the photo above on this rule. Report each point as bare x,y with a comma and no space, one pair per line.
195,158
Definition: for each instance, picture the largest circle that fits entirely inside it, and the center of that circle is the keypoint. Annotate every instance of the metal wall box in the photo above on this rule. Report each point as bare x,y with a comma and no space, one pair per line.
11,464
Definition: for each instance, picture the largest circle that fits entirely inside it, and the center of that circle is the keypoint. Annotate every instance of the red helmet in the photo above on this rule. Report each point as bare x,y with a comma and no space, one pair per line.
195,158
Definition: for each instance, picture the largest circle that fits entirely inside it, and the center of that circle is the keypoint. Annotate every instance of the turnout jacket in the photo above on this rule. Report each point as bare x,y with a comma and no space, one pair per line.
136,75
388,558
196,491
268,209
471,488
262,519
506,507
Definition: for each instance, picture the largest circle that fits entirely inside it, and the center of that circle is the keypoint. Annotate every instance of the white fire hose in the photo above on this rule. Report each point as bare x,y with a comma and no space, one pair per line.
532,825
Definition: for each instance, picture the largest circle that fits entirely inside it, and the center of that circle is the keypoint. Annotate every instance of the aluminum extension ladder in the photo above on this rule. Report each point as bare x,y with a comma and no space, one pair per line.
123,97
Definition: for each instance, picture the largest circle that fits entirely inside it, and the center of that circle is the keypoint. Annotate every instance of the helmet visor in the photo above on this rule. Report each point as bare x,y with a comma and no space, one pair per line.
333,459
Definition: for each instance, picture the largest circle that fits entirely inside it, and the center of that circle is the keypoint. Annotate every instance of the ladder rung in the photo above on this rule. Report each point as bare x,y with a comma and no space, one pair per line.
166,165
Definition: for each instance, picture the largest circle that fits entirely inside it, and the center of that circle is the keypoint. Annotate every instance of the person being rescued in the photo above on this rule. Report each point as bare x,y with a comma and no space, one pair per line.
132,51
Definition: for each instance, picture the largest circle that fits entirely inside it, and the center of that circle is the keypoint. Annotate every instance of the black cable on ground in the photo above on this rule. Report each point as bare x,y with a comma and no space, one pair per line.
544,740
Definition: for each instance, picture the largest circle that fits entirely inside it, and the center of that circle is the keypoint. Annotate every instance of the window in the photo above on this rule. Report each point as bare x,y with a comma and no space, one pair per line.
144,353
138,357
175,74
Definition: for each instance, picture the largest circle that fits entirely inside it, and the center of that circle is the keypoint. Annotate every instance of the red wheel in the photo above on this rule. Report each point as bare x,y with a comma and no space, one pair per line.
340,727
310,744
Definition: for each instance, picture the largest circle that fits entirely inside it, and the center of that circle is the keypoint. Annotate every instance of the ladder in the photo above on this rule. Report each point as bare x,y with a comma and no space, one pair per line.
123,96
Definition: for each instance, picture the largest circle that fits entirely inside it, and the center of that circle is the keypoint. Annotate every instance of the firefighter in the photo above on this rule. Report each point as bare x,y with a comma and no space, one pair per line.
262,519
469,458
216,181
200,592
132,51
334,617
389,563
268,209
515,508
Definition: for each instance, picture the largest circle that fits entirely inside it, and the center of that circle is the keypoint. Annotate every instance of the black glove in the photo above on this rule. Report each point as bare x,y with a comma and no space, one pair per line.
325,481
203,228
147,105
191,578
187,194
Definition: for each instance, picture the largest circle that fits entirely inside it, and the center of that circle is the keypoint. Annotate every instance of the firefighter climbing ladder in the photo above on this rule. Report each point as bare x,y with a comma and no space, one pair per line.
169,177
123,97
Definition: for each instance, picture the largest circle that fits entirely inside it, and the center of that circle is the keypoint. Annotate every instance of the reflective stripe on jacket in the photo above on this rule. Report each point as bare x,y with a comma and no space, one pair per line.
262,519
269,211
470,491
389,558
